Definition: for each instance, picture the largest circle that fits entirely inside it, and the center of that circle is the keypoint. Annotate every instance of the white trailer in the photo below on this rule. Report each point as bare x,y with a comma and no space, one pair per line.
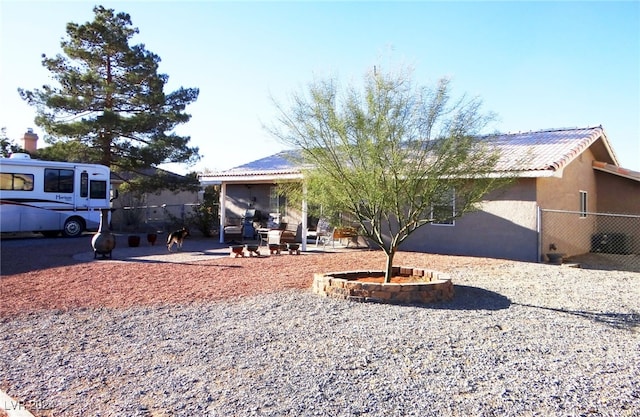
51,197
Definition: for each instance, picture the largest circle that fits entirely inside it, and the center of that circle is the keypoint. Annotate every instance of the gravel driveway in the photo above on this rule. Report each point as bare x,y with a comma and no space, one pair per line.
519,339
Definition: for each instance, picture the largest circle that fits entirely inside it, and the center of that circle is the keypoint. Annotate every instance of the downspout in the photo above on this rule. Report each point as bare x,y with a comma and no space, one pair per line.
223,209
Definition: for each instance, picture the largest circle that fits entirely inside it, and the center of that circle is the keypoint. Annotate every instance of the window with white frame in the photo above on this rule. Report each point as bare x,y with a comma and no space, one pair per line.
443,210
583,204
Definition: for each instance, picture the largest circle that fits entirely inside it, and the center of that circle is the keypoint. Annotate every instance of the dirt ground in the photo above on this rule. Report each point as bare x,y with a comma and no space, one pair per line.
46,274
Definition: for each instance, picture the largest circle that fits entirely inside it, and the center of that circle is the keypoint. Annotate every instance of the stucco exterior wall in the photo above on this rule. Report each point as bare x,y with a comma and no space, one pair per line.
563,192
570,233
619,195
241,197
504,227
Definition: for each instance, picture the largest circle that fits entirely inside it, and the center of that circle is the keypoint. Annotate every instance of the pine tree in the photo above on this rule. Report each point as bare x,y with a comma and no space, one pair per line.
109,105
8,146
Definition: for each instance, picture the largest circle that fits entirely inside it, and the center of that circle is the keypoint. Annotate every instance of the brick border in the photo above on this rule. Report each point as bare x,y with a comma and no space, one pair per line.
434,286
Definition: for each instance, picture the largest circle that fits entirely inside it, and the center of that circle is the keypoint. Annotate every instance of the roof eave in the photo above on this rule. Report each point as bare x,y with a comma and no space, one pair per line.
546,173
598,133
607,145
616,170
250,177
521,174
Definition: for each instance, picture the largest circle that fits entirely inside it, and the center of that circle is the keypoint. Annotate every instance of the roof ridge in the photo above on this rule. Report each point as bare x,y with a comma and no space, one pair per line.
547,130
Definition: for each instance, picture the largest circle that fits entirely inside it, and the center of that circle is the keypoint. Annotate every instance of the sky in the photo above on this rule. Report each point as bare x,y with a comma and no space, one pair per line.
537,65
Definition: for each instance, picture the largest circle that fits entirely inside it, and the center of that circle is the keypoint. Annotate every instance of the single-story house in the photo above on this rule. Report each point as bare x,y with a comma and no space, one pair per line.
571,170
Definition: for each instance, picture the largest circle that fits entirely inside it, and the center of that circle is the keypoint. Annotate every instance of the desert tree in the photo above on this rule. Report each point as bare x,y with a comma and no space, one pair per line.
392,155
109,105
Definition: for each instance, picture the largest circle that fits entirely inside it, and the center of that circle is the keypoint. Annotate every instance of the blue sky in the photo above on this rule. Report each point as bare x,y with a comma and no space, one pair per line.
538,65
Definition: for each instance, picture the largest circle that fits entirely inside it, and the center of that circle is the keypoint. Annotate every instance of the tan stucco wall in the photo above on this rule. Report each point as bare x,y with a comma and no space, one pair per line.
563,192
569,232
619,195
505,227
241,197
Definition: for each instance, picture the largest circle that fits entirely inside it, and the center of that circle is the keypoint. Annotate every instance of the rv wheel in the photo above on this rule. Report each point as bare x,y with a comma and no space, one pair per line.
73,227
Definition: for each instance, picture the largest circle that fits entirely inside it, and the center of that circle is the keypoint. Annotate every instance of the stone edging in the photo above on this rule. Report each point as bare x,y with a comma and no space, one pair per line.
436,286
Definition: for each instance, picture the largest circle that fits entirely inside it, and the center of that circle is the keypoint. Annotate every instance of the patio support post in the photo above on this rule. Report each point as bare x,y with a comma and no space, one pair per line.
223,209
304,217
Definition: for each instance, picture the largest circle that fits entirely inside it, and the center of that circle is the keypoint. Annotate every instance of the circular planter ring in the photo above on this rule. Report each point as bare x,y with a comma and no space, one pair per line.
430,286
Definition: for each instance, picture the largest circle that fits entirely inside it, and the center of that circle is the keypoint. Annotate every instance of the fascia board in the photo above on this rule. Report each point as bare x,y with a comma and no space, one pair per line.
243,179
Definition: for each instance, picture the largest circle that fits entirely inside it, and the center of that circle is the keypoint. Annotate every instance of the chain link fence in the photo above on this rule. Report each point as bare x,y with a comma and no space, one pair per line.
591,239
149,218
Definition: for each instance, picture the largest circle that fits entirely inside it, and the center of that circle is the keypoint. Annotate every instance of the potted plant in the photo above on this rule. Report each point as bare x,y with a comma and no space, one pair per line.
553,256
133,240
152,237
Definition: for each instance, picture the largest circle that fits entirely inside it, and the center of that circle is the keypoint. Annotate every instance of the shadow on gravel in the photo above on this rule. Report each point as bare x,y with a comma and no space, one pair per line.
473,298
158,261
21,254
624,321
607,261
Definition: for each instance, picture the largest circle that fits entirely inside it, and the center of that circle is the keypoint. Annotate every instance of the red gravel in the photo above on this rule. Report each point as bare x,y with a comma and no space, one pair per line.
53,280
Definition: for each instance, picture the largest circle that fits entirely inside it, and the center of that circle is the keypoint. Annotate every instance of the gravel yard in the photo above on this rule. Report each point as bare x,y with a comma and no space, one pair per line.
208,335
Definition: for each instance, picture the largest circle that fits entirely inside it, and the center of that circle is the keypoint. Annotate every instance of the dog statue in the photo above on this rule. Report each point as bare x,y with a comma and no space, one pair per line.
177,238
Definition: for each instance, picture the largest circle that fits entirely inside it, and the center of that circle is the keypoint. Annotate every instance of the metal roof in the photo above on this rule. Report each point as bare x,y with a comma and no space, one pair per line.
545,151
527,154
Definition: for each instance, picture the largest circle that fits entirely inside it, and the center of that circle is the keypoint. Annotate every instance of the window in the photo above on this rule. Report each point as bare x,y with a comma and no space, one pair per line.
98,190
84,184
58,180
583,204
444,210
16,182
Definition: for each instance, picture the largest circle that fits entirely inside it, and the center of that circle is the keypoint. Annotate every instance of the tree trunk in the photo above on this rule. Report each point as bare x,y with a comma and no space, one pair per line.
388,271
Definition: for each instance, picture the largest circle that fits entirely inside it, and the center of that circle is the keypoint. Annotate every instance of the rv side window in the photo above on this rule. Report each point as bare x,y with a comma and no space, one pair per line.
16,182
98,190
84,184
58,180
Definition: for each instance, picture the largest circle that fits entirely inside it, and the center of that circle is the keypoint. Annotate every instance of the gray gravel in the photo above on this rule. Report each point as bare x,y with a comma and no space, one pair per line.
518,340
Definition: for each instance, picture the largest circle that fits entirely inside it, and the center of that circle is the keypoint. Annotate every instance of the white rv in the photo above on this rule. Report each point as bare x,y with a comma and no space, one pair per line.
51,197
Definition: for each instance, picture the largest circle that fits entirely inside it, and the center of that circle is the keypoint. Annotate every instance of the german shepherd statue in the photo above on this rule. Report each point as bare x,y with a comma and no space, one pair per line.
177,238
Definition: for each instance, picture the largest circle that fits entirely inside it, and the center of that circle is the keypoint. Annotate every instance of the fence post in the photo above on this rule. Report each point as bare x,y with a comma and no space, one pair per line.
539,231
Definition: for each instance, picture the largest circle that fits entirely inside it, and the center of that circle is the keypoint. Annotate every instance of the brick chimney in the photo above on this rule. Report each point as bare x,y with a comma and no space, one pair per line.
30,141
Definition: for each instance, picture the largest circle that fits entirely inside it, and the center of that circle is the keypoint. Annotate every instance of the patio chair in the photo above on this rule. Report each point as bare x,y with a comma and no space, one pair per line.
233,231
286,234
323,233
